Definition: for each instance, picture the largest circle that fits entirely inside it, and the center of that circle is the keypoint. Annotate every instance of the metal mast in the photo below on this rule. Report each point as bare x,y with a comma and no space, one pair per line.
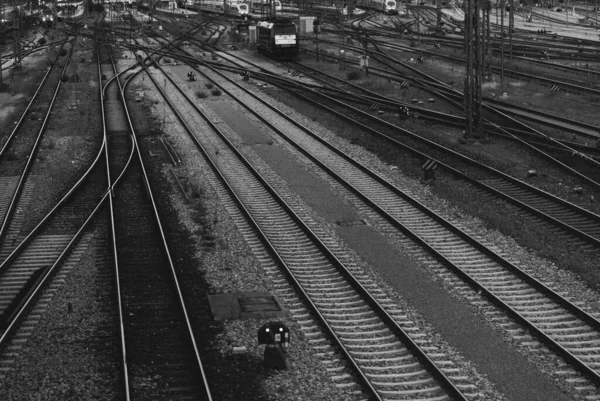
511,26
502,10
488,39
1,18
16,35
474,67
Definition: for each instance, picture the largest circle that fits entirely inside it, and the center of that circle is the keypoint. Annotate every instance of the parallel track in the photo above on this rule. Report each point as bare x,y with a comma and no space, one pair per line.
160,356
565,327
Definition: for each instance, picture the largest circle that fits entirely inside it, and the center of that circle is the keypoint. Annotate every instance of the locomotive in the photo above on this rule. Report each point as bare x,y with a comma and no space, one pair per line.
277,38
47,17
388,7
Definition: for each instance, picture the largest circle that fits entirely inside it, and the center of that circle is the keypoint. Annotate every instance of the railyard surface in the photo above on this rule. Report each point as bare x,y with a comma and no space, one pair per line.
463,330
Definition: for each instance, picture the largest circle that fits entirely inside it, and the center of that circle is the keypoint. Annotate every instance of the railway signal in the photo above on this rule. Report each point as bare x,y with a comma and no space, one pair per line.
364,63
404,113
317,29
276,337
428,167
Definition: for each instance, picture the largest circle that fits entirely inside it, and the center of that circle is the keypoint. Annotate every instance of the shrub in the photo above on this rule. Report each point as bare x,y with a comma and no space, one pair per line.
167,60
42,41
209,85
63,52
201,94
216,92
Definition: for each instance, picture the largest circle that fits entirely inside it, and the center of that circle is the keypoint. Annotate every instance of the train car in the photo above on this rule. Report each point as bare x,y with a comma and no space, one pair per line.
233,8
388,7
277,38
119,6
262,7
333,11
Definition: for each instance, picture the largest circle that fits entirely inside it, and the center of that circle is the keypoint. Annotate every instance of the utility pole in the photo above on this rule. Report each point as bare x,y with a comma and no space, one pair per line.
502,9
16,35
511,26
488,41
317,29
343,36
1,18
474,67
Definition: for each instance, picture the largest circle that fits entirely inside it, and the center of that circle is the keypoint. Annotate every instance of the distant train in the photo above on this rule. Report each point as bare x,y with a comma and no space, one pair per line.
47,17
388,7
234,8
334,10
277,38
118,6
261,6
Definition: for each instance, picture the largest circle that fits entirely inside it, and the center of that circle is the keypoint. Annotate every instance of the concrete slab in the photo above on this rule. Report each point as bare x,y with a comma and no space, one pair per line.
244,305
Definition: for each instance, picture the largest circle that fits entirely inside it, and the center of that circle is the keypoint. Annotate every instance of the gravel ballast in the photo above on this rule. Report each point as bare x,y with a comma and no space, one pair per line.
211,246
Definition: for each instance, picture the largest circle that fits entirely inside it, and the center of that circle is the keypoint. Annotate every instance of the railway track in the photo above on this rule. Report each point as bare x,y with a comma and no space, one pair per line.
560,323
160,358
576,221
35,264
392,362
582,142
547,304
21,145
352,320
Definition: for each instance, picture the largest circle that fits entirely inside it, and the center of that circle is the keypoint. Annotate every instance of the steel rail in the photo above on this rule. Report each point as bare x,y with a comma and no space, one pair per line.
24,174
390,322
111,185
159,225
589,319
